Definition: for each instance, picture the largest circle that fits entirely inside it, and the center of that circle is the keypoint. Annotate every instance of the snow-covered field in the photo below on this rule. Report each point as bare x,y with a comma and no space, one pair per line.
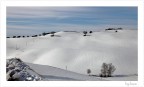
56,74
74,53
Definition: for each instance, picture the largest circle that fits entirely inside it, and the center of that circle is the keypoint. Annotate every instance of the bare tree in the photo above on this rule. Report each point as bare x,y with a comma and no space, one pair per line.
111,69
104,70
119,28
88,71
107,70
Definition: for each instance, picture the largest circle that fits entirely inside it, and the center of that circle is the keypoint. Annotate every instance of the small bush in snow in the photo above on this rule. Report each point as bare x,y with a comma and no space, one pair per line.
43,33
14,36
88,71
107,70
34,35
85,32
90,32
52,33
18,36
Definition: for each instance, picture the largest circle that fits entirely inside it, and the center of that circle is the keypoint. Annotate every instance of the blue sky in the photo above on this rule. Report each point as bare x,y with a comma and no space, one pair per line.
35,20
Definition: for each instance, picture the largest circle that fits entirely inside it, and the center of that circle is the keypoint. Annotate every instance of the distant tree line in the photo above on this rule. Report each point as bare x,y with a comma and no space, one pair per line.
43,34
53,33
114,28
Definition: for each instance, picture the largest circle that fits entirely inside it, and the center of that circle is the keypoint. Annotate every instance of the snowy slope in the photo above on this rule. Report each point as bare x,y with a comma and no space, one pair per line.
78,53
133,77
49,73
56,74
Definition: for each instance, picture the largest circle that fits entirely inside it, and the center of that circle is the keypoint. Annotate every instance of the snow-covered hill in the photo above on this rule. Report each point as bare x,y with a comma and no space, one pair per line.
17,70
50,73
77,53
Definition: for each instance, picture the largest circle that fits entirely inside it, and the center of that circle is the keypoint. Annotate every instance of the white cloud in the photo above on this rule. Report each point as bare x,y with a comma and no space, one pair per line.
44,12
